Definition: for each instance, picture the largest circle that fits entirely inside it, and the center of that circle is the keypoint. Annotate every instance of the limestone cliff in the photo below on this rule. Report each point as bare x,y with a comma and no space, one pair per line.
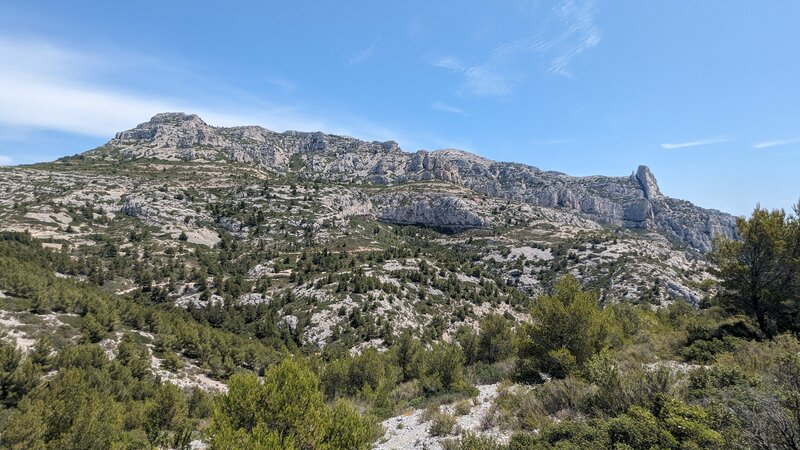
634,202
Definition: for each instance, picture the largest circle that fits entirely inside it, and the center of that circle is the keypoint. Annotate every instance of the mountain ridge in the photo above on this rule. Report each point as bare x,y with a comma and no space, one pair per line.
632,202
326,228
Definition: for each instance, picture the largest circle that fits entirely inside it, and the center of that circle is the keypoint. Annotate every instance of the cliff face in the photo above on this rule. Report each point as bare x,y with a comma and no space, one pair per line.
633,202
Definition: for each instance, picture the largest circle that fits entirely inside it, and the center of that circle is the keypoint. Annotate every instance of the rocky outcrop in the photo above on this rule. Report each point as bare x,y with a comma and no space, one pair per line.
634,201
139,207
443,211
648,182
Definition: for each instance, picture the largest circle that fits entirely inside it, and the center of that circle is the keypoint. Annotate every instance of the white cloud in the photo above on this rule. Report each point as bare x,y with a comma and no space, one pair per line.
449,62
580,34
50,87
62,105
697,143
481,80
363,55
532,44
284,85
477,80
444,107
97,93
568,30
777,142
6,160
48,104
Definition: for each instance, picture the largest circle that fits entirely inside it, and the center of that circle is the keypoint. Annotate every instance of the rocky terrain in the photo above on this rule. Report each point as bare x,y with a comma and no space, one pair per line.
222,250
634,201
430,234
413,429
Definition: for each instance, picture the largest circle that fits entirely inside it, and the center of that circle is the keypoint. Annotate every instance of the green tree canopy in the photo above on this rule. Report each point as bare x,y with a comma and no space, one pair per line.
285,411
566,329
760,272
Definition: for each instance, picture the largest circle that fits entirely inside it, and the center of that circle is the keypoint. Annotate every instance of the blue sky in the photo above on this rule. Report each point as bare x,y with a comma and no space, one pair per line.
705,93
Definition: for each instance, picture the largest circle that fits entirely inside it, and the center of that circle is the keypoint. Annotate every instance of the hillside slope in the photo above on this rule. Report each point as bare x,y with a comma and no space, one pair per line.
348,242
634,201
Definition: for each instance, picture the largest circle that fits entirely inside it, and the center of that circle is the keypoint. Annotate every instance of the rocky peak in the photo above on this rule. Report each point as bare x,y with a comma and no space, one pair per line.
634,202
177,118
648,182
178,130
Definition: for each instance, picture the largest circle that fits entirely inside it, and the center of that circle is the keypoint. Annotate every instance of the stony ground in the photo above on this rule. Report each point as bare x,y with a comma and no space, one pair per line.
412,429
424,241
526,246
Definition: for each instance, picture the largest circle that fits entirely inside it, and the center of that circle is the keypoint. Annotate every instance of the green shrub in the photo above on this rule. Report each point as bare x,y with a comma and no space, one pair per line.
562,398
443,368
495,342
407,354
286,410
442,424
566,329
348,429
639,429
471,441
172,362
462,408
578,434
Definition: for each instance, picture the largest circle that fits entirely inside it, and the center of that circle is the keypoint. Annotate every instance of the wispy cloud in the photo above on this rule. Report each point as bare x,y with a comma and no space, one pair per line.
450,63
777,142
44,86
285,86
444,107
363,55
581,33
697,143
528,7
6,160
568,30
480,80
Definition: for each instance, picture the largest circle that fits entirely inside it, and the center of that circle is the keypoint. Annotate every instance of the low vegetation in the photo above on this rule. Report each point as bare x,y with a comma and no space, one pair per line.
578,372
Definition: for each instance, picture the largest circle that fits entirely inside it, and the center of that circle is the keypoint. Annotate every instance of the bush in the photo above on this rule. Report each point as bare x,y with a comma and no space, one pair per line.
286,410
201,404
348,429
618,390
442,424
428,413
172,362
470,441
407,355
639,429
17,376
366,370
443,369
562,398
92,402
495,342
462,408
566,329
93,331
482,373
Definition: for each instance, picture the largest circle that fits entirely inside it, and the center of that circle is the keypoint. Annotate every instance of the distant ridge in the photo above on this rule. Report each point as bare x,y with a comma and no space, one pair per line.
634,202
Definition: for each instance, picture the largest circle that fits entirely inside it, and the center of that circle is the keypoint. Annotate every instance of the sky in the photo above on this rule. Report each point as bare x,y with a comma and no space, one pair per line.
705,93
